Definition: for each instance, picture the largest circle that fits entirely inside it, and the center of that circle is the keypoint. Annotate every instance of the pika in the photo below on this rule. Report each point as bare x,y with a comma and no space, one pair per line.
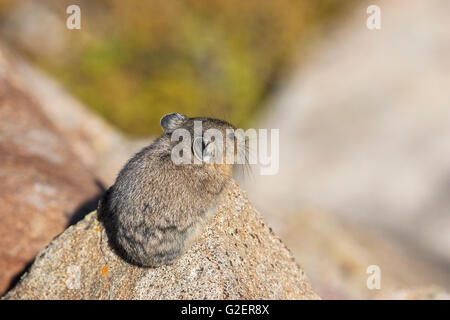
156,208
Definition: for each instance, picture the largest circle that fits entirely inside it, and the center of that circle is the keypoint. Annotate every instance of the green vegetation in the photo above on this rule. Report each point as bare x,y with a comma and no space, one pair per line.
134,61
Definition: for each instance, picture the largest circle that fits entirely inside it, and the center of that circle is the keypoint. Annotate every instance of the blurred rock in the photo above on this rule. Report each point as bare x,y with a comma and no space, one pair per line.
365,129
237,257
421,293
43,183
101,147
31,24
336,257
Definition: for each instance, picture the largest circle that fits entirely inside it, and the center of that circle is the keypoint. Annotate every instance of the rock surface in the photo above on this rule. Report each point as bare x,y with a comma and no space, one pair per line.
336,255
365,129
237,257
42,182
101,147
419,293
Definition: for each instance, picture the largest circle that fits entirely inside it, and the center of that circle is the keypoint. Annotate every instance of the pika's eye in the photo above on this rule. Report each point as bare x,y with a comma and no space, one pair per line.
203,145
198,147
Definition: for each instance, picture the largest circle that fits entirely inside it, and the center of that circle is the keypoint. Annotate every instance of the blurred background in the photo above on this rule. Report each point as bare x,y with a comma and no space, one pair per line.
364,119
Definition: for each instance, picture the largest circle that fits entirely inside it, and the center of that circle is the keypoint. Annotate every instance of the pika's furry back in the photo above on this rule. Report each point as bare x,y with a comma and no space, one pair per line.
156,208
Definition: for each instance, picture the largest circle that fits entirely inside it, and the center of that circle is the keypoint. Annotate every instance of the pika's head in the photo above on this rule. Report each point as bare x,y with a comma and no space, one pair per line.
211,141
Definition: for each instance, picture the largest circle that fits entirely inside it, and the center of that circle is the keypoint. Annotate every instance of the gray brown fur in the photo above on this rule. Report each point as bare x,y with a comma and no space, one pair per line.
155,209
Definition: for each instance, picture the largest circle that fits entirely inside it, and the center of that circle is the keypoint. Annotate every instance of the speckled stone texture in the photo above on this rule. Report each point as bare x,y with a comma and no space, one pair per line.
237,257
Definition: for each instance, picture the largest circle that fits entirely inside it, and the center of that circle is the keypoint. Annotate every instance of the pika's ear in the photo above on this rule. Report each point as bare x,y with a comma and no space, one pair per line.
172,121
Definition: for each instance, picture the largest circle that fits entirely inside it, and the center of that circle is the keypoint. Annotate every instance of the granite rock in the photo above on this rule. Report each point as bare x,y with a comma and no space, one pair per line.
237,257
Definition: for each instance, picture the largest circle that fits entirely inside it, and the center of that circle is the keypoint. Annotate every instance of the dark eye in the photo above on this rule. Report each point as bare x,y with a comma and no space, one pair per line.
198,147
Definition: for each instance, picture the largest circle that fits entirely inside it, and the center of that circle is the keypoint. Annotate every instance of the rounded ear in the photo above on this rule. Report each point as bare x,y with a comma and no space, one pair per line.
172,121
